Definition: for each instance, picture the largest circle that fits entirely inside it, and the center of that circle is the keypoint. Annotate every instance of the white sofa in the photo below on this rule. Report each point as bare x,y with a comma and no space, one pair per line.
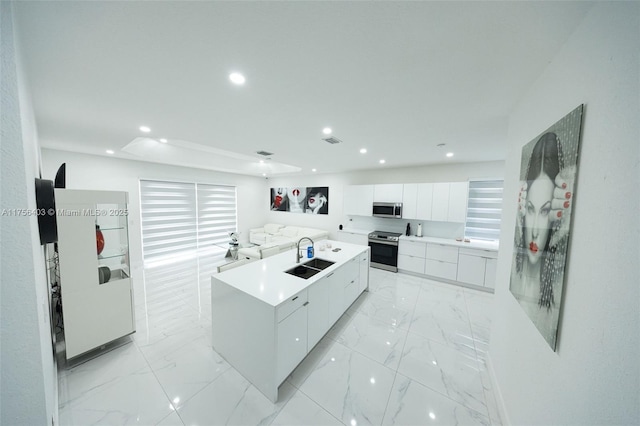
263,235
285,238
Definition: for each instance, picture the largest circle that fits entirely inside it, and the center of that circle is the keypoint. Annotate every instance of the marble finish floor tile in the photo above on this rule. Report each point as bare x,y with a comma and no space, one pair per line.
414,404
231,399
374,339
186,371
301,410
384,310
444,370
136,398
453,333
92,376
350,386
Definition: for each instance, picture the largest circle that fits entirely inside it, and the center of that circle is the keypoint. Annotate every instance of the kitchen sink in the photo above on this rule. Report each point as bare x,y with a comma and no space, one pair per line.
302,271
318,264
310,268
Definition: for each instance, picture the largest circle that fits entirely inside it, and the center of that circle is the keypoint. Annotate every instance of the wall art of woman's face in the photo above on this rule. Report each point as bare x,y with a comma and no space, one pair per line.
536,219
297,194
316,200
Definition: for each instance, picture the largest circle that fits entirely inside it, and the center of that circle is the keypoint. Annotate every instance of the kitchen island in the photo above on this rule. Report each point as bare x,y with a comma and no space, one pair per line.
265,320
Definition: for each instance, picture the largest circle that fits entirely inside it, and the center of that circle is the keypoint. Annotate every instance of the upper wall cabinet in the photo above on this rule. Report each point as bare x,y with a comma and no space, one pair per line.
410,201
458,201
440,207
358,200
450,202
388,193
417,200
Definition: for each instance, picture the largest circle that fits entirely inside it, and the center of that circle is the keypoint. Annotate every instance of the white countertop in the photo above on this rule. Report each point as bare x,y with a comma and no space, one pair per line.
473,244
267,280
356,231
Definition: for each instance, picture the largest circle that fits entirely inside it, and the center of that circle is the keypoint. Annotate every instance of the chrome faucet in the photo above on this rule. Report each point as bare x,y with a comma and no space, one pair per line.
298,248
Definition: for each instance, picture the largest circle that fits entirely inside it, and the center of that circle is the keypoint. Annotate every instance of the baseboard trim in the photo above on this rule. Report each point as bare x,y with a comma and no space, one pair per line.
502,409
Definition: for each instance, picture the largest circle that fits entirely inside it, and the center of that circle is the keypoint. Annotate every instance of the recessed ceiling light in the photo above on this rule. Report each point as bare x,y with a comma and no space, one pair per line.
261,161
382,161
145,129
363,150
327,130
264,174
110,151
449,154
163,140
313,170
237,78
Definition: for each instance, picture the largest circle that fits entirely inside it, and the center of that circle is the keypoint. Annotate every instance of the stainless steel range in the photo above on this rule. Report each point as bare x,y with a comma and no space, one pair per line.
384,250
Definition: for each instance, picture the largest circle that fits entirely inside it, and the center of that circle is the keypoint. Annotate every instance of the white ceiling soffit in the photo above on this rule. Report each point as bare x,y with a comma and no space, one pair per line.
189,154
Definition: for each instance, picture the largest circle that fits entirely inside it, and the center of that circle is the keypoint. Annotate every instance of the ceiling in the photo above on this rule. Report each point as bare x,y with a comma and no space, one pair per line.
396,78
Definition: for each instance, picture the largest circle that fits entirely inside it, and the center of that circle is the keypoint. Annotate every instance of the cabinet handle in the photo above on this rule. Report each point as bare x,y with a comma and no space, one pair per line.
294,298
305,303
329,275
353,281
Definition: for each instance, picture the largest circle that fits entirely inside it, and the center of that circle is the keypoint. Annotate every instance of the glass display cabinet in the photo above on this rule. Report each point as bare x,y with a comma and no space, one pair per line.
95,283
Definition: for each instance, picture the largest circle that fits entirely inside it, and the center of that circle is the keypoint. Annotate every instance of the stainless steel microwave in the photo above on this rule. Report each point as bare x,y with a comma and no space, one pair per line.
393,210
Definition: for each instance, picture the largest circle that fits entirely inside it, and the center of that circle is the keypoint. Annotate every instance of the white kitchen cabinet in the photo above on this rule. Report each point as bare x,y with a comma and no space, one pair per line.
441,261
410,201
442,252
477,267
353,238
358,200
440,269
364,272
292,342
424,203
457,209
388,193
352,282
490,273
411,256
93,248
411,263
471,269
440,203
318,312
412,248
336,283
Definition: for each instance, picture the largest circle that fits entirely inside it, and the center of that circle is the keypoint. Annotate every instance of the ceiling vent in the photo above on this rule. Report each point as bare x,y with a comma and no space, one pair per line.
332,140
265,153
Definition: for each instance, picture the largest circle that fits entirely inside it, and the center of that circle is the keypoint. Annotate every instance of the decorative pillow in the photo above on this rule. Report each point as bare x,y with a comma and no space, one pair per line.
289,231
272,228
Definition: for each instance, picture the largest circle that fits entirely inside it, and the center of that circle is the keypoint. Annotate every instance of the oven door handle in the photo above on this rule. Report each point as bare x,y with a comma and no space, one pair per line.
388,243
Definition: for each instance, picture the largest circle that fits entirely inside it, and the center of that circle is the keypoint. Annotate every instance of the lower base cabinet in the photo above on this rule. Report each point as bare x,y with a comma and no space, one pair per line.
477,267
465,265
292,341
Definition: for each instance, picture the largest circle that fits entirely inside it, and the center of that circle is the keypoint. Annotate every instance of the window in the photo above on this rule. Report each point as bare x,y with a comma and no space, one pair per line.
181,220
484,209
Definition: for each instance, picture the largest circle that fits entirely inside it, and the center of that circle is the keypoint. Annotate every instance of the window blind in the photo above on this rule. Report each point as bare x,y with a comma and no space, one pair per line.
217,214
180,220
484,209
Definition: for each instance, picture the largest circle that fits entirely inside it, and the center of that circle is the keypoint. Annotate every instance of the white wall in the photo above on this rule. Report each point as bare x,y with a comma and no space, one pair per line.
594,377
27,373
85,171
336,182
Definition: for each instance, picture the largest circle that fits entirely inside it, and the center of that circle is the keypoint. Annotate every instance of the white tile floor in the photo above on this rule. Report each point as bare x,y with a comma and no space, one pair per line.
411,351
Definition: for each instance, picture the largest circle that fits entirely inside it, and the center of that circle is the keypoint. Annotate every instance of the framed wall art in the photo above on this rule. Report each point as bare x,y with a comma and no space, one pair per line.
543,222
311,200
